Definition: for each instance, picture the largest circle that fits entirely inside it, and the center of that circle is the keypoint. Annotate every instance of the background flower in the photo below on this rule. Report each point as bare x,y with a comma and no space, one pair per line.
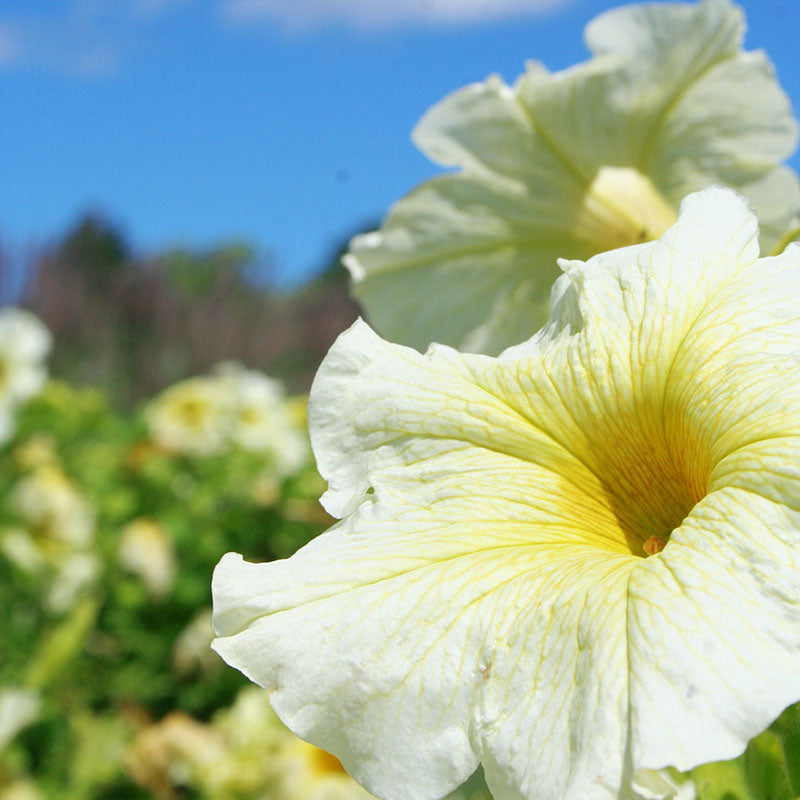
572,164
192,416
24,344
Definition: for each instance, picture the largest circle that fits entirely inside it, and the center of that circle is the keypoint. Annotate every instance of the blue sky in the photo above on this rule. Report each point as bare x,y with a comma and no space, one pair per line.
281,122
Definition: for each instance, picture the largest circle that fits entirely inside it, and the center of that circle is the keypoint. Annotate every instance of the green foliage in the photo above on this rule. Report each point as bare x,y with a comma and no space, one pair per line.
126,647
769,769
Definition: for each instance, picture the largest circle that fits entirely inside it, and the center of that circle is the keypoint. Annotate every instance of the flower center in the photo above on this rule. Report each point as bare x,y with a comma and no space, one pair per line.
193,413
652,477
622,207
325,763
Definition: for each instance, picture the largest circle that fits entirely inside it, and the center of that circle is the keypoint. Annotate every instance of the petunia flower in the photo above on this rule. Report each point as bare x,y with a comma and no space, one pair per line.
571,164
193,416
262,419
24,344
575,563
55,538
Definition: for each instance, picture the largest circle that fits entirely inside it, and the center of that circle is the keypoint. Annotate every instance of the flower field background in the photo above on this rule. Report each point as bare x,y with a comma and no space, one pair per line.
560,561
114,508
116,502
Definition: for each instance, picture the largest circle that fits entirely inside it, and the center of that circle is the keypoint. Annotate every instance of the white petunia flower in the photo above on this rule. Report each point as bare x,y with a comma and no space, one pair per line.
262,421
145,549
193,416
572,164
576,563
24,345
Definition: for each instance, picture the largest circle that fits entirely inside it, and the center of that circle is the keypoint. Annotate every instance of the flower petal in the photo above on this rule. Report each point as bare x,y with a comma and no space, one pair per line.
487,596
493,253
575,163
714,630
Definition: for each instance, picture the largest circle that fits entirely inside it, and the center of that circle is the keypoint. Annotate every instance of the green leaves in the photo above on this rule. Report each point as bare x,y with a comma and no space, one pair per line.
769,769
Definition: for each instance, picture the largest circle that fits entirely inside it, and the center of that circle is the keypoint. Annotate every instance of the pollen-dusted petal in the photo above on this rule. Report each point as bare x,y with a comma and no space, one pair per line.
575,163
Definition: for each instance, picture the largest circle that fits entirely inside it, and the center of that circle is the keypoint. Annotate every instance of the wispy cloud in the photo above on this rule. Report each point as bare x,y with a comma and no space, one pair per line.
9,45
304,14
97,38
81,38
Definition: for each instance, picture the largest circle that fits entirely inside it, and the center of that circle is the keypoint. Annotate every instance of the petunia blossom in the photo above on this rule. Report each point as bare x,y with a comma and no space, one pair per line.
571,164
24,344
575,563
192,416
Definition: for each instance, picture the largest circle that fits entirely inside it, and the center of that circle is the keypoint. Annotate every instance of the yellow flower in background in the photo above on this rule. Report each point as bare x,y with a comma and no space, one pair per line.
24,345
308,773
244,752
192,416
262,419
232,407
577,563
572,164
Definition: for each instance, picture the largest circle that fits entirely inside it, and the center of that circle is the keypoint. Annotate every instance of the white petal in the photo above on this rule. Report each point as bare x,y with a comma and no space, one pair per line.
669,98
714,632
484,598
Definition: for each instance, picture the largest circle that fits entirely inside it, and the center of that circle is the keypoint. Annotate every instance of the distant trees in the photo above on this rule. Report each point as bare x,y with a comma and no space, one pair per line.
135,324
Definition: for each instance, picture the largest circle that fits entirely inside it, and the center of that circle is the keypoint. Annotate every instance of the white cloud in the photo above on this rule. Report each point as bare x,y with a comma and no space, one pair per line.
152,8
82,38
45,44
302,14
9,45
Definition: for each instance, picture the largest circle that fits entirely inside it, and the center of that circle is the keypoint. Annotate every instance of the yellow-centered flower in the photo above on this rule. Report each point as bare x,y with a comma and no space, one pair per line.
572,164
574,563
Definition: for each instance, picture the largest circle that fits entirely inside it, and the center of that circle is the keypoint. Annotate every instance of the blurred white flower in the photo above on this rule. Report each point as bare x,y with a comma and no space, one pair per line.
47,501
20,548
193,416
24,345
262,420
55,537
18,709
233,406
170,753
245,751
73,575
145,549
571,164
